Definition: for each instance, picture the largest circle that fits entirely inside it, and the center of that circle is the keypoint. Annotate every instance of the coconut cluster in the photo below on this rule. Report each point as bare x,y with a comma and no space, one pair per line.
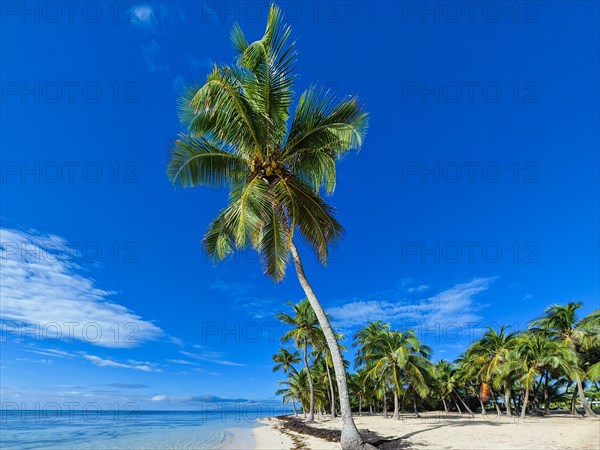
267,168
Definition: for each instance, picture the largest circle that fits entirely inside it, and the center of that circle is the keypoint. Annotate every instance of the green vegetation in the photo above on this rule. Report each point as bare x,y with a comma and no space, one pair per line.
554,364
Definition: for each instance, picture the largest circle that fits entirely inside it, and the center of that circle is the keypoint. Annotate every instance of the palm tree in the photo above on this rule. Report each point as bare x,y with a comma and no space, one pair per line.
237,135
559,322
533,353
322,350
304,332
444,382
487,354
297,388
359,386
285,360
404,358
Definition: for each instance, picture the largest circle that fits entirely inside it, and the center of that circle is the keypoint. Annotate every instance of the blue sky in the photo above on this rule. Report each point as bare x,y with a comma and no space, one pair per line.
474,200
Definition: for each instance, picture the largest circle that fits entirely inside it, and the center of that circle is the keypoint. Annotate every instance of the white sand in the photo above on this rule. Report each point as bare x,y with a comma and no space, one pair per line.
437,431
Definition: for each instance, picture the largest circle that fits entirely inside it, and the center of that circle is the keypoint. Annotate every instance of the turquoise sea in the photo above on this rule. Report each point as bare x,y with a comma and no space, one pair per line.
127,430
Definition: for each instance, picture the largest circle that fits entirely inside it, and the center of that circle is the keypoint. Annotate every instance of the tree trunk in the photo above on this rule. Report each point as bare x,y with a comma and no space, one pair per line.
396,412
385,414
546,396
311,414
445,406
482,405
350,438
464,404
360,406
333,413
586,406
457,407
370,409
507,399
415,406
495,400
294,406
525,400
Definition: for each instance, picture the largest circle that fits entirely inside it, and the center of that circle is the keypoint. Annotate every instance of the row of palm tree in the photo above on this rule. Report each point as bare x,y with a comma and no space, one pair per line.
552,362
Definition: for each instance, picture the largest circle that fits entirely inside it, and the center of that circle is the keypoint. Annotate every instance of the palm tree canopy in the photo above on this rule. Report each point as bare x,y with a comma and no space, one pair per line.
304,326
285,360
236,134
404,357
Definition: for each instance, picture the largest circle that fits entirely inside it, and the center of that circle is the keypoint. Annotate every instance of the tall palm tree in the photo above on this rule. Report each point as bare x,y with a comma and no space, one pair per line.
559,322
236,134
304,332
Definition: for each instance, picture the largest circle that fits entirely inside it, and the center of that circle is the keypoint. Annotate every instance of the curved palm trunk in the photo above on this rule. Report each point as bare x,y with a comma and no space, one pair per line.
482,406
464,404
507,399
396,409
385,414
525,400
457,407
586,406
350,438
445,405
498,412
294,406
311,414
333,413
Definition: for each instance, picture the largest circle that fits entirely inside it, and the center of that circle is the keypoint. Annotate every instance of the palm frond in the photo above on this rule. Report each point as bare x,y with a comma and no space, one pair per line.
323,126
198,161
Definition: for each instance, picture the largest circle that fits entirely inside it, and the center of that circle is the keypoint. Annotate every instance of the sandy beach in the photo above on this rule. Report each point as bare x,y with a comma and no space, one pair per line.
436,430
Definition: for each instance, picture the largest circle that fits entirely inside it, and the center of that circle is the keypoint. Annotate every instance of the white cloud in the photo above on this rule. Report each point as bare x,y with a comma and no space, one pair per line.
214,357
137,365
456,305
420,288
42,286
144,14
180,361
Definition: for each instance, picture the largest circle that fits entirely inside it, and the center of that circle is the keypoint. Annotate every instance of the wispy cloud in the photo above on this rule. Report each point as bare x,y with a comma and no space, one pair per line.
131,364
42,283
456,304
210,356
197,399
143,15
180,361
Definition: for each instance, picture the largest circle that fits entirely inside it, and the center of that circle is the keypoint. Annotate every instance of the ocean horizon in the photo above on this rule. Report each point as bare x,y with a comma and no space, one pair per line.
118,429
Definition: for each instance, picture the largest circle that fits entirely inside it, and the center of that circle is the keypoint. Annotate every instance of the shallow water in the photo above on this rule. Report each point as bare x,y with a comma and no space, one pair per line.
134,430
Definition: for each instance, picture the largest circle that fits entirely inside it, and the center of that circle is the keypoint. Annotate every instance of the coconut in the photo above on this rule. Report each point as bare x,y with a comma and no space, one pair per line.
485,392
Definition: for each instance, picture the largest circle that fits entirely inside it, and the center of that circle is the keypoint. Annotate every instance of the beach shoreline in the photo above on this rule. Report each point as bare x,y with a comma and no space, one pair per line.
446,431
